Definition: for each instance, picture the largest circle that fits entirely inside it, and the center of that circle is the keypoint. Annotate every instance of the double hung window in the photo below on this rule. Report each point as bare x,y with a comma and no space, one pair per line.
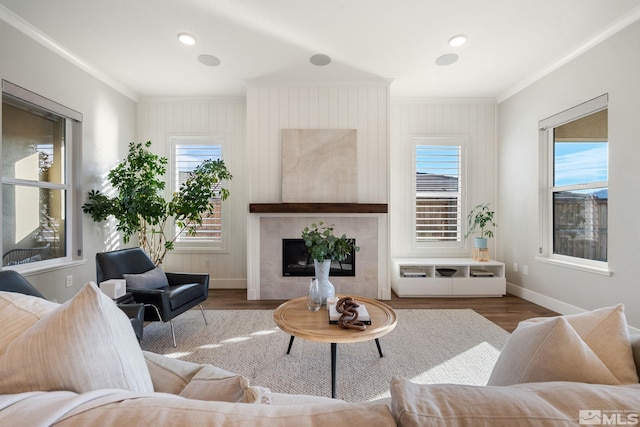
575,184
37,190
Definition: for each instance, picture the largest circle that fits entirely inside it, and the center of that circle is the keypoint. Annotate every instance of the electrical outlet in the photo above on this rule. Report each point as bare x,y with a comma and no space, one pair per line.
515,267
525,269
68,282
207,263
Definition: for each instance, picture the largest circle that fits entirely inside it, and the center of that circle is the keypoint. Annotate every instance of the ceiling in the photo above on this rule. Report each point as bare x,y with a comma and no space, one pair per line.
133,45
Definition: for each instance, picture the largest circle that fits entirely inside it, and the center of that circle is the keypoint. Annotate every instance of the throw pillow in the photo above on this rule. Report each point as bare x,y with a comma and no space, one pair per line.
568,348
18,312
152,279
202,382
84,344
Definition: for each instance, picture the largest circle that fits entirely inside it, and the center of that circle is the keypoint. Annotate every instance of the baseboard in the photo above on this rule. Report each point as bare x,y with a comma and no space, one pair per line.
551,303
227,283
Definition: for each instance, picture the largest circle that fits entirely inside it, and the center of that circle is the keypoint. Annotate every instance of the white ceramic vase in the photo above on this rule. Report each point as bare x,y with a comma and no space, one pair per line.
322,274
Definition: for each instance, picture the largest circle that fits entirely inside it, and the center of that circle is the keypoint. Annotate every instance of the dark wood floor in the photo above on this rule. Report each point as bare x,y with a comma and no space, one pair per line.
506,312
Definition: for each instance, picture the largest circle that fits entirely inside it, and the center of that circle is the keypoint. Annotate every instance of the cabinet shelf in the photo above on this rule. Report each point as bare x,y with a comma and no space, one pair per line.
419,277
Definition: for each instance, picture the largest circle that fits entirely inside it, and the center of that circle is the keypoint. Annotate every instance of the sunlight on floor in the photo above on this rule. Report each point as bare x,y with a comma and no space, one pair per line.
465,367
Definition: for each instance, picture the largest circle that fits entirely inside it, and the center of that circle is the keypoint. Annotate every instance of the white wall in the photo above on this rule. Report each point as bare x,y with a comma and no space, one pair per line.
612,67
272,107
472,119
161,118
108,126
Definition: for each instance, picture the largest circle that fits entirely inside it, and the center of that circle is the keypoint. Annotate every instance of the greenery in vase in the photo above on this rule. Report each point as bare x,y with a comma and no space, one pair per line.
322,244
140,207
481,217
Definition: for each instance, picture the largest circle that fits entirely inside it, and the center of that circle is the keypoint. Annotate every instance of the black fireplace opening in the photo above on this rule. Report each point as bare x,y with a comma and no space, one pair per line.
296,261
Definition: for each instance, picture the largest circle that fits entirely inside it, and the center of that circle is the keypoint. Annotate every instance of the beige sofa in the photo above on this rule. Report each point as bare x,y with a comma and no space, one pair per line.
79,364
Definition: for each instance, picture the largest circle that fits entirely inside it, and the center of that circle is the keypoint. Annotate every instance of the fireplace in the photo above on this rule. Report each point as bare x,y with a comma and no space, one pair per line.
296,261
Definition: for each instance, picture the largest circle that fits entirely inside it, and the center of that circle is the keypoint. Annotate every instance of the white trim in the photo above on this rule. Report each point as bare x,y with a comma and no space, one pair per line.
603,271
32,32
604,34
574,113
551,303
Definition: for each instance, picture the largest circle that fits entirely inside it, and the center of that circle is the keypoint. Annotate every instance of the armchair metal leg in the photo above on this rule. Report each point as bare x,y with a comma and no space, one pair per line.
205,317
173,333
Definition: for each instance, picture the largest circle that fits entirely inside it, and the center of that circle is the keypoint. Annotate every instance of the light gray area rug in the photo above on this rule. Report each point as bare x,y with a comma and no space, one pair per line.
427,347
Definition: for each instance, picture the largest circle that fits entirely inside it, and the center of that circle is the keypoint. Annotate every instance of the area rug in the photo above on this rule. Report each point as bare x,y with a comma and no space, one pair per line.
427,347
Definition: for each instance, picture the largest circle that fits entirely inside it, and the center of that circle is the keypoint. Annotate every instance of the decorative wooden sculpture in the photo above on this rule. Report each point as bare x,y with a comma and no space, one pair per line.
349,319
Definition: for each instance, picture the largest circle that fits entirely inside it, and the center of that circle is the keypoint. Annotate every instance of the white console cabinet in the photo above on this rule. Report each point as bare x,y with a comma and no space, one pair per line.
418,277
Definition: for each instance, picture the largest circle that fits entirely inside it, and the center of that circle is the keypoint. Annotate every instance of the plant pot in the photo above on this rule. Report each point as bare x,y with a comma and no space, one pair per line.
322,274
480,242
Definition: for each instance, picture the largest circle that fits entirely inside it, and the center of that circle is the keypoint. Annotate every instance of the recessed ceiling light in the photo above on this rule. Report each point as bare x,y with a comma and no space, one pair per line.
458,40
447,59
320,59
209,60
187,39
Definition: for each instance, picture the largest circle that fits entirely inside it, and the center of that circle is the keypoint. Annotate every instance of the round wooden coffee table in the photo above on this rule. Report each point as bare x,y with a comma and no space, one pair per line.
294,318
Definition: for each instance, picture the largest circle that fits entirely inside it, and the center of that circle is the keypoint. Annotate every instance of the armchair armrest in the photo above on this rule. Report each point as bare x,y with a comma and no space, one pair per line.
155,297
182,278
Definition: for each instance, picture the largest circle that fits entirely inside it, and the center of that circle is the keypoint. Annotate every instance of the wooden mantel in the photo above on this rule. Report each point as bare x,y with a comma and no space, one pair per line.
320,208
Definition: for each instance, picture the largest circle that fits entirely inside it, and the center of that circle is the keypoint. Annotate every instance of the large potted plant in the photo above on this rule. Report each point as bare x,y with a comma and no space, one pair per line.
324,247
140,208
480,221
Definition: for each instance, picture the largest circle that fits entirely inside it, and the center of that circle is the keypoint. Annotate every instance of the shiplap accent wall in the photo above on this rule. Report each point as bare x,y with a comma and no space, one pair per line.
161,118
473,120
272,107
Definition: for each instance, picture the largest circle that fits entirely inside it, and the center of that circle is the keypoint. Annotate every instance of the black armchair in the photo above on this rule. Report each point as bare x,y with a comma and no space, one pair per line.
168,294
12,281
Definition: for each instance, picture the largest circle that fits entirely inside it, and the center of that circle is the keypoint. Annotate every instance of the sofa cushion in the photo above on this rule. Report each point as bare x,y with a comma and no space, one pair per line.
539,404
18,312
202,382
592,347
152,279
84,344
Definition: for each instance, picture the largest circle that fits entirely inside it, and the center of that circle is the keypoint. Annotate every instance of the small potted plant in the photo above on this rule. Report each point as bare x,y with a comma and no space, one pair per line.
481,219
324,247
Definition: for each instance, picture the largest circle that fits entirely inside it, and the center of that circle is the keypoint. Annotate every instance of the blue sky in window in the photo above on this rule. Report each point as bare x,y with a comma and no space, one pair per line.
580,162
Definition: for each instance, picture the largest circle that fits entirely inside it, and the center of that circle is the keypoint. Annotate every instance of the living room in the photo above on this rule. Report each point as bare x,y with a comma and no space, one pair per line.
501,132
501,127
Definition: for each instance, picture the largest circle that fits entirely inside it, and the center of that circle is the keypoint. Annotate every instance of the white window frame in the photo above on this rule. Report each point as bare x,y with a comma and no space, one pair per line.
71,185
443,247
218,246
546,165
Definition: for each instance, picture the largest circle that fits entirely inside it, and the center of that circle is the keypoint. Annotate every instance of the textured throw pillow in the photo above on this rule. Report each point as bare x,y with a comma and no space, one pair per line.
84,344
202,382
152,279
18,312
592,347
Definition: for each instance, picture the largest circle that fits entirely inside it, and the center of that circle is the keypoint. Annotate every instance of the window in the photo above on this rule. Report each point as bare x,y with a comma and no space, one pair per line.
576,188
438,190
189,152
37,196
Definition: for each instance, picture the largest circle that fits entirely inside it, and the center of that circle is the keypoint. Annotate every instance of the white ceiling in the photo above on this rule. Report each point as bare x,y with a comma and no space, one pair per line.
133,44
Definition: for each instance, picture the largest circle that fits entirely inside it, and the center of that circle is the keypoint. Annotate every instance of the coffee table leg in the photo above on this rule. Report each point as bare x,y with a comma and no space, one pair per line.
378,344
290,344
334,355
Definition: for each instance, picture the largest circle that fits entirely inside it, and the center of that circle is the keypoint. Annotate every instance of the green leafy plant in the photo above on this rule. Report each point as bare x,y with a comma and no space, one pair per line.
322,244
140,207
481,217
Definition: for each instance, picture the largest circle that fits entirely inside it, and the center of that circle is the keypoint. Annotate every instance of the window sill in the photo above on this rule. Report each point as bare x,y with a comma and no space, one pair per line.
575,266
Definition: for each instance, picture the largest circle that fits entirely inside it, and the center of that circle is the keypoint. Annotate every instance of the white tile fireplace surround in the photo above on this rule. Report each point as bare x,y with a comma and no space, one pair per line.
266,231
